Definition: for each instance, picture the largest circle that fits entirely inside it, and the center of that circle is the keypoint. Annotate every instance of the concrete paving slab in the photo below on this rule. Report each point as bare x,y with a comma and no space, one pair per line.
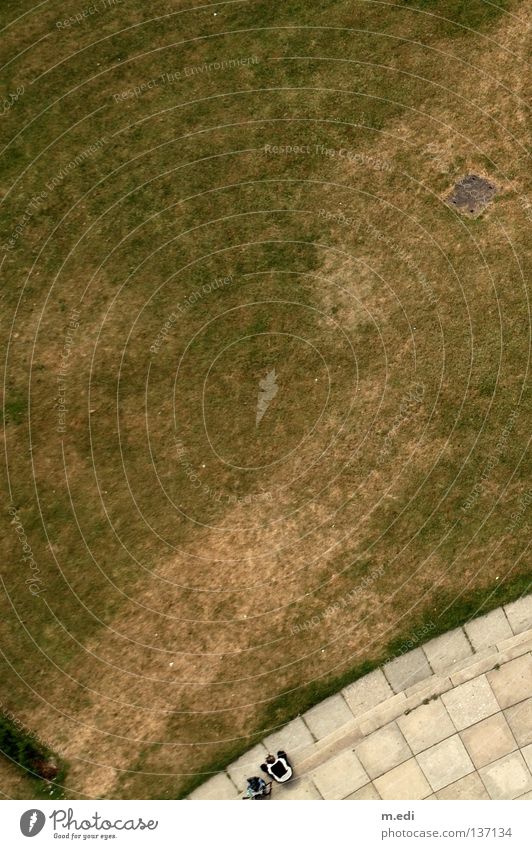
519,614
525,796
247,765
519,719
426,725
445,763
507,778
367,692
489,740
444,651
404,671
527,754
487,631
217,787
341,776
469,787
405,781
295,739
366,793
327,716
299,789
470,702
512,683
383,750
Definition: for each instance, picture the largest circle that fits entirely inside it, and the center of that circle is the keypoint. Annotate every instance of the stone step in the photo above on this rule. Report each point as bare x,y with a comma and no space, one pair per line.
432,687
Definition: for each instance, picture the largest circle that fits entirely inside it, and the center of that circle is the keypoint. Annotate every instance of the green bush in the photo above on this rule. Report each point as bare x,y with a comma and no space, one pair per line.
29,753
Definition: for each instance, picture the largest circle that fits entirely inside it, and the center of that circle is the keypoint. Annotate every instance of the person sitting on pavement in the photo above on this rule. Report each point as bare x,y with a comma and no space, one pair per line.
279,768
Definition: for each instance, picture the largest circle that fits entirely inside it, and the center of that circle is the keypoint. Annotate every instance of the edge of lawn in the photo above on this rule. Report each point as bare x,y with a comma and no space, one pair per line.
289,705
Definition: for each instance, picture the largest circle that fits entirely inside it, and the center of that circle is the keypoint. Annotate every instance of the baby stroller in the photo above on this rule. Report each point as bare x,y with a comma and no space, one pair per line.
258,788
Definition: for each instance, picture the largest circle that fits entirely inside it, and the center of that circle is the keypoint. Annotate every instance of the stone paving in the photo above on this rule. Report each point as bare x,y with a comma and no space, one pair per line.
451,719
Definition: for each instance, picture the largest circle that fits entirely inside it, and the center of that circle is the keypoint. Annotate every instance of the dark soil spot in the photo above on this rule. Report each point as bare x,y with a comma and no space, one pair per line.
472,194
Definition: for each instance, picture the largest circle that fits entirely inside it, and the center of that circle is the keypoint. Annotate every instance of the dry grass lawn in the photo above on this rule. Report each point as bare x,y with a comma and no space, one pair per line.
264,191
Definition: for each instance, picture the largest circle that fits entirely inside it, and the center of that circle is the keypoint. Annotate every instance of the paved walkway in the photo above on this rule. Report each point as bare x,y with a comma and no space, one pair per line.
449,720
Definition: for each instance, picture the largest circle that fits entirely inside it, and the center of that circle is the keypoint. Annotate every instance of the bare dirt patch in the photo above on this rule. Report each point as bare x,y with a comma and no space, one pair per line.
472,194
